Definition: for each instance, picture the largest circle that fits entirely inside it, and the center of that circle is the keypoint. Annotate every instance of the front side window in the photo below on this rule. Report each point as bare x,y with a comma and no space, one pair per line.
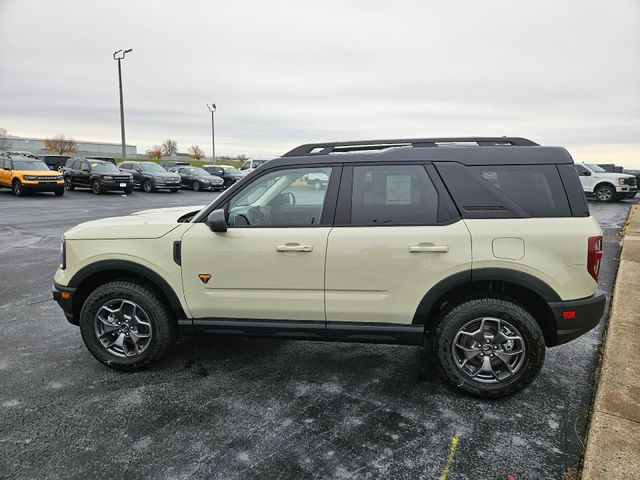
393,195
595,168
280,199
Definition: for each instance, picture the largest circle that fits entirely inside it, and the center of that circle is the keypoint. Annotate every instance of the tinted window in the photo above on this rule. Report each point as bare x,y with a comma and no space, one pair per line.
125,166
581,170
393,195
507,191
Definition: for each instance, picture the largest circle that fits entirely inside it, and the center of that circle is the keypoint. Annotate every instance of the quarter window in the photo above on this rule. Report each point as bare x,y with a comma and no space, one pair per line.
393,195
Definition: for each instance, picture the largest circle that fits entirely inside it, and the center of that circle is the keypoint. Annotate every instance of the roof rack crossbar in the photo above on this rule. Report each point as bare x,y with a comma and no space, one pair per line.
367,145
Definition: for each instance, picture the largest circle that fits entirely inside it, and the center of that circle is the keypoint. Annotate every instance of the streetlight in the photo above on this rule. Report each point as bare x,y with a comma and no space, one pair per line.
119,55
212,109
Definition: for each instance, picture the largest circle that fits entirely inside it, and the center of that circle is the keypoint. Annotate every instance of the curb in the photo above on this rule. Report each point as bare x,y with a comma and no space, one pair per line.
613,442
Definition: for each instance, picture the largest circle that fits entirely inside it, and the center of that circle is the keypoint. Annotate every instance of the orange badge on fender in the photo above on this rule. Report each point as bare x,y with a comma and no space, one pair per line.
204,277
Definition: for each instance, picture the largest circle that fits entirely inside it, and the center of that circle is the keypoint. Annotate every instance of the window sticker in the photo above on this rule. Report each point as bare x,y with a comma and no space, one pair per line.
398,190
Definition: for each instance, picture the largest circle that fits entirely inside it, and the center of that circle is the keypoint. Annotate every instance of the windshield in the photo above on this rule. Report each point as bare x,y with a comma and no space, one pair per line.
103,167
198,172
29,165
595,168
152,167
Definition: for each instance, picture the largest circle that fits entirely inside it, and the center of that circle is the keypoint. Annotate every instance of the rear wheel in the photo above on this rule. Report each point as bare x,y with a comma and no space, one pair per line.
126,325
96,186
60,168
196,186
68,184
488,347
605,193
18,188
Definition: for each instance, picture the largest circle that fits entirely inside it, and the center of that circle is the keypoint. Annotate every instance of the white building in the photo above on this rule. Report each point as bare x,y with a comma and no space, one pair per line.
36,146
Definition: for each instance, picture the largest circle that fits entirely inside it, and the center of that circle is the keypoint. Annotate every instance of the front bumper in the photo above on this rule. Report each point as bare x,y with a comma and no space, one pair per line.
43,186
64,297
577,317
115,184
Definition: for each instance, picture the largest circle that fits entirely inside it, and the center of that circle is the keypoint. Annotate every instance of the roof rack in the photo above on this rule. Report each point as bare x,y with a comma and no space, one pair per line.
367,145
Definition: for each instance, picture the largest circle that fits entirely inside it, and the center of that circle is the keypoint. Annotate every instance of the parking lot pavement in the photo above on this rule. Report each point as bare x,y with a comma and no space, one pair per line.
252,408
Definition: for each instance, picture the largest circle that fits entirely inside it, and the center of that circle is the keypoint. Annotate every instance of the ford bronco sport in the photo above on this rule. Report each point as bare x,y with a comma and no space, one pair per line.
482,246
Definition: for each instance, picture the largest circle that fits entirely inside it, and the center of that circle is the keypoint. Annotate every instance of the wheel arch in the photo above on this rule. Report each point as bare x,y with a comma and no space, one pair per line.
526,289
91,276
603,183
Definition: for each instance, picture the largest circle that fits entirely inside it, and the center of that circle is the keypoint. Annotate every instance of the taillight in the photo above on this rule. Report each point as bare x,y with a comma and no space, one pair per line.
594,255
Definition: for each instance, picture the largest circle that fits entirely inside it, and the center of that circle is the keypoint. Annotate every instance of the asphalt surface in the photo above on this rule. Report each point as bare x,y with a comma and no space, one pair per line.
252,408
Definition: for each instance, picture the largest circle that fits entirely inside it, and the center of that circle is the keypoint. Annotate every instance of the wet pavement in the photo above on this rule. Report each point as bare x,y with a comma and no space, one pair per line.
258,408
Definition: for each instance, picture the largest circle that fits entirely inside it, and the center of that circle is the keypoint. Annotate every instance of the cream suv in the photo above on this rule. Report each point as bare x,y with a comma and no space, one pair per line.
483,247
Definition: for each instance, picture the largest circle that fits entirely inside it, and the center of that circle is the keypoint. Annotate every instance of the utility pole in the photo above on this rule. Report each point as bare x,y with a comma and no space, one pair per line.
212,109
119,55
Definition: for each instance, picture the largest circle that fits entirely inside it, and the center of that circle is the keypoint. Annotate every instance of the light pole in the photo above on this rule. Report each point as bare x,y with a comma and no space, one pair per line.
212,109
119,55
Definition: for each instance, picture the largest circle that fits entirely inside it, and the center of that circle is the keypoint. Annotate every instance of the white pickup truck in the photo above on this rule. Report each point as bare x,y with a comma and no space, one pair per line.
606,187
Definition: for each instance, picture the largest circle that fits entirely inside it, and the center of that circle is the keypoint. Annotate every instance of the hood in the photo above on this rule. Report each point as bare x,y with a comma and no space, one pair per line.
146,224
40,173
163,174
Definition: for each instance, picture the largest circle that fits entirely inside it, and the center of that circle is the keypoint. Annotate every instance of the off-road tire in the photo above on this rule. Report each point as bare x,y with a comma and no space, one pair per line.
455,316
59,193
163,321
68,184
18,188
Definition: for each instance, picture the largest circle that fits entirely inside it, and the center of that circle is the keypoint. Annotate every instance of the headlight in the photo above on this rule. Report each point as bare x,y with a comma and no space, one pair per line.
107,177
158,179
63,254
620,181
30,177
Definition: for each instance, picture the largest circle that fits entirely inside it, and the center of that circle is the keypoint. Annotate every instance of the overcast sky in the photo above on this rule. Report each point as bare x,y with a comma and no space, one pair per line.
289,72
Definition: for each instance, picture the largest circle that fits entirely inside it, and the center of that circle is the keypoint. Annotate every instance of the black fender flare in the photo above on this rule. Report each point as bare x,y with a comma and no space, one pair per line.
508,275
130,267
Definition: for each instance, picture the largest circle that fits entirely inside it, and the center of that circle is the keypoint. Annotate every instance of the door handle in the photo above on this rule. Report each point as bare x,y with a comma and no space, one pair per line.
428,248
294,248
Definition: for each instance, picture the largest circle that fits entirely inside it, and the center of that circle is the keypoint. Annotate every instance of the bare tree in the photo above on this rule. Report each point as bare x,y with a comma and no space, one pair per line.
5,142
60,144
196,152
155,152
169,148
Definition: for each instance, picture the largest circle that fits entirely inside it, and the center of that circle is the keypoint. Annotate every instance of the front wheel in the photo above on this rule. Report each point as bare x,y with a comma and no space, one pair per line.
128,190
18,188
196,186
68,184
96,186
489,347
59,193
147,186
605,193
126,325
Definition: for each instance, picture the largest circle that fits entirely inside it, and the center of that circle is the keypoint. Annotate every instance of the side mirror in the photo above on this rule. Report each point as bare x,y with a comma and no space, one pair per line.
85,170
217,221
585,174
139,170
7,168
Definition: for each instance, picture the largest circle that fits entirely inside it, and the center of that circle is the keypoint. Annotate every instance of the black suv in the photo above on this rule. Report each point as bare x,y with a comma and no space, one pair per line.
151,177
55,162
97,175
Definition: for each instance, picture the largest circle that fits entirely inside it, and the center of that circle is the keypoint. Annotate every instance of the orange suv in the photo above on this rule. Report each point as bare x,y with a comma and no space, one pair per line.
23,174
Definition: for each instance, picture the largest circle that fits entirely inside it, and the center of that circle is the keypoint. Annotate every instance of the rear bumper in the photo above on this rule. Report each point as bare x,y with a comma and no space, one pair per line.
577,317
64,297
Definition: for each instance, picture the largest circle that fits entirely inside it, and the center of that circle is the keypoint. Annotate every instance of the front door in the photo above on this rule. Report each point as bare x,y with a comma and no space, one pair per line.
270,263
397,241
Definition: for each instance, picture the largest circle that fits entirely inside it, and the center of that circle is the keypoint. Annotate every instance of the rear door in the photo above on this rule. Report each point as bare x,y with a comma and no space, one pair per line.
396,235
5,175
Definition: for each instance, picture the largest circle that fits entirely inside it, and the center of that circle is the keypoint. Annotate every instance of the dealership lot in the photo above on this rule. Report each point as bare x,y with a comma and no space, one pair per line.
244,408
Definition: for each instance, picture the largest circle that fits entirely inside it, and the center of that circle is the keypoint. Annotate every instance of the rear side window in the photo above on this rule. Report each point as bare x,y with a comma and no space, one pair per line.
506,191
393,195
